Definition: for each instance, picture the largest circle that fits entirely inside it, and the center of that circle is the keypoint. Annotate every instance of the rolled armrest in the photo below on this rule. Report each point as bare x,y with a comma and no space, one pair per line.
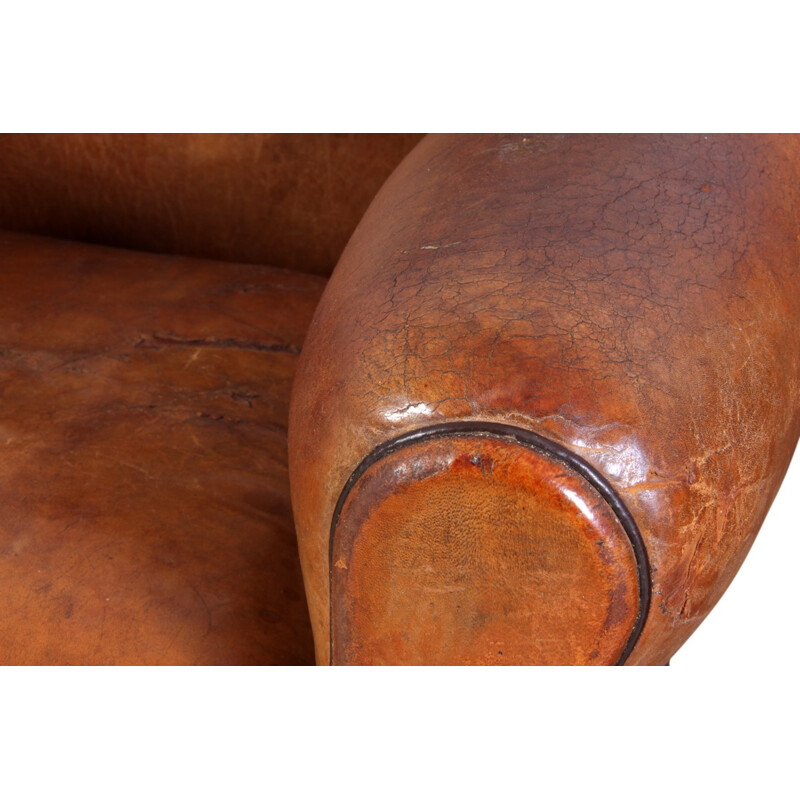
548,397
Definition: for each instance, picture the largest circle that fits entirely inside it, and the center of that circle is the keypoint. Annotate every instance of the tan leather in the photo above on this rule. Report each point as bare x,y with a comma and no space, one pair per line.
438,542
634,299
288,200
143,483
630,301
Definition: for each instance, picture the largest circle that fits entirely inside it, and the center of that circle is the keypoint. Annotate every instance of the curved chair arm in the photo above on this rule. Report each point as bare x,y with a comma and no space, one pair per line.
548,397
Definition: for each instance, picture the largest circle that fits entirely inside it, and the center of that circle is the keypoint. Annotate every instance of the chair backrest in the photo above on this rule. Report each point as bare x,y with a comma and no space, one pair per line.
286,200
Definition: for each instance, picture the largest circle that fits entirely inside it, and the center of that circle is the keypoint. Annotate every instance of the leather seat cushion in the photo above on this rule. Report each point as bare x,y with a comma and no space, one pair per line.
144,498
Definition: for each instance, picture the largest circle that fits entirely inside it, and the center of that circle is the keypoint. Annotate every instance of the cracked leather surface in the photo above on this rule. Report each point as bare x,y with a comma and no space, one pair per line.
633,297
288,200
144,493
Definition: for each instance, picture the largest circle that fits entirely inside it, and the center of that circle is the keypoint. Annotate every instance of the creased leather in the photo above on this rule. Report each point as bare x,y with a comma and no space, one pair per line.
144,497
633,297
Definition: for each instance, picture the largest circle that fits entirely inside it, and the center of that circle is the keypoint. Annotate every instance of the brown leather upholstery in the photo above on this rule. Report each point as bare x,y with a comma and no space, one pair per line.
633,300
547,397
288,200
144,500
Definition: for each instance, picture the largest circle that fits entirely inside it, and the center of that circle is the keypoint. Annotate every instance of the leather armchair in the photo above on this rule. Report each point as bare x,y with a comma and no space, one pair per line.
542,406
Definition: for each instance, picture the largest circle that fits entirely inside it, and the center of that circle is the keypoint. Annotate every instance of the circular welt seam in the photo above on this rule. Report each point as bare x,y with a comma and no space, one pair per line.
533,441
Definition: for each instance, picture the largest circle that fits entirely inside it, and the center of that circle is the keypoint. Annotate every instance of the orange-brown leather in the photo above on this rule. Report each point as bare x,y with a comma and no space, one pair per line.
437,543
143,481
634,298
288,200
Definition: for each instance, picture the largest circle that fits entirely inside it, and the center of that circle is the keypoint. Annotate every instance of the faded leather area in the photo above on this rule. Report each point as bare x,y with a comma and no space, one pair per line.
143,479
476,550
635,298
288,200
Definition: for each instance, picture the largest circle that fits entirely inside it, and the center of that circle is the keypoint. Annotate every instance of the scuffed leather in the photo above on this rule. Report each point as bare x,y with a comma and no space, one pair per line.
633,297
143,482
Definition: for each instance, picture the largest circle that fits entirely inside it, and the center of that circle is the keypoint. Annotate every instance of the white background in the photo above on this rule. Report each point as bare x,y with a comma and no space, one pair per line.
721,722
